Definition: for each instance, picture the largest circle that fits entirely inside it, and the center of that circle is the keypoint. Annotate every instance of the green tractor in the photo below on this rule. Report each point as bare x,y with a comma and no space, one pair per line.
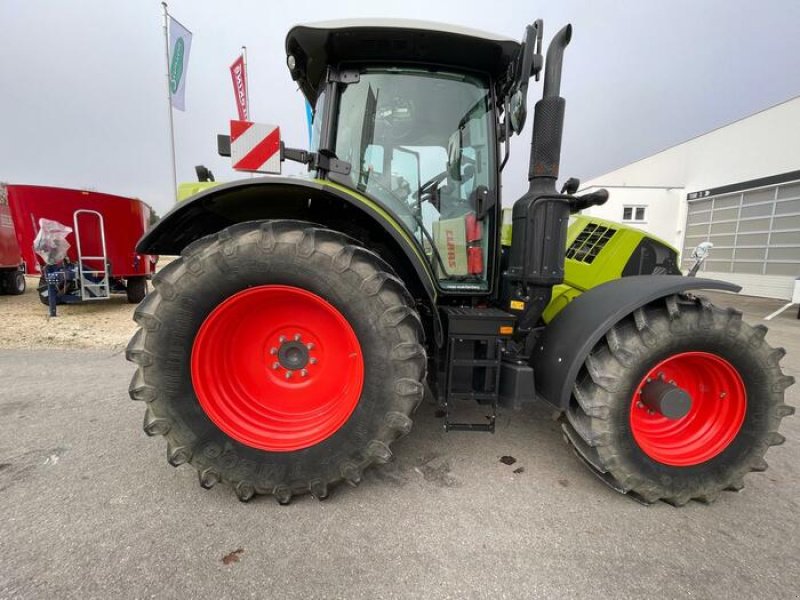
292,341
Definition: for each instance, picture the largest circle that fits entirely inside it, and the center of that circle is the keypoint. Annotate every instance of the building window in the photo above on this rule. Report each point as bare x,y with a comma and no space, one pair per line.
635,214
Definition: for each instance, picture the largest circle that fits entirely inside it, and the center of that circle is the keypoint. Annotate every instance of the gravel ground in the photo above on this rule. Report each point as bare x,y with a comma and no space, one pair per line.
24,322
90,508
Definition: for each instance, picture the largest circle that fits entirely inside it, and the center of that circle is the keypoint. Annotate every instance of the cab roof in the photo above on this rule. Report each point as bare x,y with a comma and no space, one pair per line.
314,46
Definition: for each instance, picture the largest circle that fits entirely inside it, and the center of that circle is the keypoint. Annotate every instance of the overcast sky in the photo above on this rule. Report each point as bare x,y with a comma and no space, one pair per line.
83,96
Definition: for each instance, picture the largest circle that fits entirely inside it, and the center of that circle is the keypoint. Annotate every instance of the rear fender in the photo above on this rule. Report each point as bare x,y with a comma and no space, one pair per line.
568,339
323,202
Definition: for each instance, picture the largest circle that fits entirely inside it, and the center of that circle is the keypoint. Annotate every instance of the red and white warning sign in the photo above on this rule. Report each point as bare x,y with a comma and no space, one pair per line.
255,147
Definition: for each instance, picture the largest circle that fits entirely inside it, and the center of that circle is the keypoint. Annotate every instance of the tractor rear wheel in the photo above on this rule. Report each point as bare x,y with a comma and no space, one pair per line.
678,402
278,357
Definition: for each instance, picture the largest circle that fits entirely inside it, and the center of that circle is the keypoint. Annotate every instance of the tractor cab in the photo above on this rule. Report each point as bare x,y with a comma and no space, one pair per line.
411,108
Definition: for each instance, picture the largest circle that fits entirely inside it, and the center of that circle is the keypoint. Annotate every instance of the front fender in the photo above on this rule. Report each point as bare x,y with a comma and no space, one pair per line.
568,339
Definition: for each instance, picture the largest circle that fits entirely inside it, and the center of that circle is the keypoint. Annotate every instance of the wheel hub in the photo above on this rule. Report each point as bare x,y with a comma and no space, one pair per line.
688,409
294,357
666,398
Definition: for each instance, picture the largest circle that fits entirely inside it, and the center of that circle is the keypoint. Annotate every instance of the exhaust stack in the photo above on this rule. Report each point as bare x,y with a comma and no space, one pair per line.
548,123
540,217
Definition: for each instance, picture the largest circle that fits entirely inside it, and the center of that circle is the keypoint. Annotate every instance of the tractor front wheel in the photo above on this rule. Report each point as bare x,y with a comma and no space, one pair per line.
279,358
678,402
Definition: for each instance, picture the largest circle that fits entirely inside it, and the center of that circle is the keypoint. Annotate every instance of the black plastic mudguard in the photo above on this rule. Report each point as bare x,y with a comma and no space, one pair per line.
568,339
284,198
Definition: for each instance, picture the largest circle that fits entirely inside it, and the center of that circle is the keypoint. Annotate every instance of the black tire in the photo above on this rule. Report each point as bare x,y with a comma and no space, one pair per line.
41,291
598,421
135,289
15,283
354,280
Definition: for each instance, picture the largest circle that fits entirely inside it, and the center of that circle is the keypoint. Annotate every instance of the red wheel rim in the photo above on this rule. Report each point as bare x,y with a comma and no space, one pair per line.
719,402
277,368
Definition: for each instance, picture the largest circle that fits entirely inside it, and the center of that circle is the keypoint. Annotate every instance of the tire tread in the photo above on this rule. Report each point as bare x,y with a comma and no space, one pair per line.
310,242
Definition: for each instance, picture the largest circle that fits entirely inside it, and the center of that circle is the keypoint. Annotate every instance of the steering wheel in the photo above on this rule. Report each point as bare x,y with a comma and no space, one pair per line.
430,185
434,181
430,188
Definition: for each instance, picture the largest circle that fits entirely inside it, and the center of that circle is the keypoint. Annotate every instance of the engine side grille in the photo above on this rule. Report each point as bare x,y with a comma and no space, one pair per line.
589,243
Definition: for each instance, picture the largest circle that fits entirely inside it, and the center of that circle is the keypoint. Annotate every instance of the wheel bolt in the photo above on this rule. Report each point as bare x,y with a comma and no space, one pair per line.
275,366
723,394
303,373
639,405
282,339
310,346
273,351
312,360
288,374
296,337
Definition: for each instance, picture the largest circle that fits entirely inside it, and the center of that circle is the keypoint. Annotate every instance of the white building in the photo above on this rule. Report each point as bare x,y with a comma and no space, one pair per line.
737,186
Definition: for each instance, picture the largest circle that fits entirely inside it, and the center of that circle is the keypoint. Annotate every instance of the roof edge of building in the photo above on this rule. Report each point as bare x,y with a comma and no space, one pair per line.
591,181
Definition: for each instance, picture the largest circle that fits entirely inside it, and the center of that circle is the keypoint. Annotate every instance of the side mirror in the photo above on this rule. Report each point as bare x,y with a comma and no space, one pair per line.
518,111
529,63
702,250
699,254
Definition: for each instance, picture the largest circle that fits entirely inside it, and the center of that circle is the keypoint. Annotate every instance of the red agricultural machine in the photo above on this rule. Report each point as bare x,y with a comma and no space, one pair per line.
12,265
291,342
101,231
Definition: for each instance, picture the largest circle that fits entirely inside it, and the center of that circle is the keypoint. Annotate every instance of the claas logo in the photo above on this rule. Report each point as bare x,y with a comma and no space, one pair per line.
451,249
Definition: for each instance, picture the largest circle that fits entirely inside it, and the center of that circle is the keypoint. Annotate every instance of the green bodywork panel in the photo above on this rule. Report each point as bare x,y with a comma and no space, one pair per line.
608,264
189,189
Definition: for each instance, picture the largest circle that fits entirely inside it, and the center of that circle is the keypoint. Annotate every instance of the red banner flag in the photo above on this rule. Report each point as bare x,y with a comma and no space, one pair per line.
239,78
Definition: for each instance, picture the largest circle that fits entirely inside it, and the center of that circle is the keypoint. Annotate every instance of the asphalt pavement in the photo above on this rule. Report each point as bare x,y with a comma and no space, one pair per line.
89,508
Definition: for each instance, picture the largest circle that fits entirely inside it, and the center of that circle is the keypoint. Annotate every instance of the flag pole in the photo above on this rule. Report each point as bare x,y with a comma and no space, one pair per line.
247,84
169,104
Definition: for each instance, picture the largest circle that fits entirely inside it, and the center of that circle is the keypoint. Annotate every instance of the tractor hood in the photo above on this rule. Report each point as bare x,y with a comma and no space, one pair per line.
396,41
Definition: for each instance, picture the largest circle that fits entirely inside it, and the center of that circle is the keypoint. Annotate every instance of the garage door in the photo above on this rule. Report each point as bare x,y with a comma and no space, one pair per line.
756,237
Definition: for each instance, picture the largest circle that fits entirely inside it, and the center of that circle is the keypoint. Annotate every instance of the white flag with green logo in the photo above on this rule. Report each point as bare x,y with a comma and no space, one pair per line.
180,41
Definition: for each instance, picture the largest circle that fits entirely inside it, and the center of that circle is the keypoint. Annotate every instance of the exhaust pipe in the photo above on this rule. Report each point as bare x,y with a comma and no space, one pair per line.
548,124
555,58
536,260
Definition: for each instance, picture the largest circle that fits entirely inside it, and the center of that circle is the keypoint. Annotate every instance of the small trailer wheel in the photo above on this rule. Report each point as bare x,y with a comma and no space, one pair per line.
15,283
41,291
136,289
